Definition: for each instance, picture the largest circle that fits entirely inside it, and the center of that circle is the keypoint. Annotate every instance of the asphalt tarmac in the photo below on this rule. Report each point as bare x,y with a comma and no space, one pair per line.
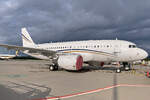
31,79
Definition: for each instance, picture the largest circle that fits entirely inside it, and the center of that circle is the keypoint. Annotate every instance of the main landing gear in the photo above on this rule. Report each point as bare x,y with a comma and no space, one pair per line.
53,67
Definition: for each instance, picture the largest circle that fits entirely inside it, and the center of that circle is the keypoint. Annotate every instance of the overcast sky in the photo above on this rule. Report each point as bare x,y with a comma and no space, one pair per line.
61,20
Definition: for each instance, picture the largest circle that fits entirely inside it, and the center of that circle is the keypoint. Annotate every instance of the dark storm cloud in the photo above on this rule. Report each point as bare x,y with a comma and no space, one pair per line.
60,20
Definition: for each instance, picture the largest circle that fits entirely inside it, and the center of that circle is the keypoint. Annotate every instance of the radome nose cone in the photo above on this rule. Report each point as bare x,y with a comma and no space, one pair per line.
145,54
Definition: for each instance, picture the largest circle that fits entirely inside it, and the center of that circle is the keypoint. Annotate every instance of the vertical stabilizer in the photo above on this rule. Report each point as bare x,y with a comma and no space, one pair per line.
26,39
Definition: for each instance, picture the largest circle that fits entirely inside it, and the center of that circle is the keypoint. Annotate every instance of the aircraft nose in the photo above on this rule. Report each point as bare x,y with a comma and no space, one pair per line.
144,54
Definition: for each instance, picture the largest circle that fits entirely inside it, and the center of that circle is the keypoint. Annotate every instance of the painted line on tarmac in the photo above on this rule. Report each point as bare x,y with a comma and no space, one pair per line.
79,94
92,91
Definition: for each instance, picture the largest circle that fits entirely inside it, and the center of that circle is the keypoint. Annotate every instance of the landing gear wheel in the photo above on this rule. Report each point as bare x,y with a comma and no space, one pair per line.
127,68
55,67
118,70
51,68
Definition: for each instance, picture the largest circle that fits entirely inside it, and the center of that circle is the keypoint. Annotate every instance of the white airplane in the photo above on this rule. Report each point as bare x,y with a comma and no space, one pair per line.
72,55
6,56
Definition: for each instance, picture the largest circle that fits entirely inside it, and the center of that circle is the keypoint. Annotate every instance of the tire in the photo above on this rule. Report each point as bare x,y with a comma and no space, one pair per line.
118,70
55,67
126,68
51,68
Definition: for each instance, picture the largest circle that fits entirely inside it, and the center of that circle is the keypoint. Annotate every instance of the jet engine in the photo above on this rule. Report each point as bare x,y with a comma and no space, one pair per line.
70,62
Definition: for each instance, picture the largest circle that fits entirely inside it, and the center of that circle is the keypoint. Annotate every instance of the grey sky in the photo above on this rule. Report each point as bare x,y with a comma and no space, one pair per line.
60,20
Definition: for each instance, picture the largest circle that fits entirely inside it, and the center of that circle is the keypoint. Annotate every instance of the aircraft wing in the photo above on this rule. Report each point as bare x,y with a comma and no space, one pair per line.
32,50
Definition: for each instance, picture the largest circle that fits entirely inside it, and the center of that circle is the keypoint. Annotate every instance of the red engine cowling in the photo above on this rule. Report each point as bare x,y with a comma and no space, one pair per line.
70,62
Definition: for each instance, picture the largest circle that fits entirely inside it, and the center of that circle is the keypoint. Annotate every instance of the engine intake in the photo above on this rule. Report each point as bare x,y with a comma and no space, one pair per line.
70,62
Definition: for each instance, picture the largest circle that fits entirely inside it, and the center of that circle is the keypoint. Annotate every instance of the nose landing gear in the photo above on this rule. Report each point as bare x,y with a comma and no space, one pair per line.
127,66
118,70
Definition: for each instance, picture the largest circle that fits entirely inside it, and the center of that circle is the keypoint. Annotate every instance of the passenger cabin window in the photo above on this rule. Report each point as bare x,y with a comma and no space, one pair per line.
132,46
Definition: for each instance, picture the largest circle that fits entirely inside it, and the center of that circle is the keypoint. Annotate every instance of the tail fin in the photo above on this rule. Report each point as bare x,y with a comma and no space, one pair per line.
26,39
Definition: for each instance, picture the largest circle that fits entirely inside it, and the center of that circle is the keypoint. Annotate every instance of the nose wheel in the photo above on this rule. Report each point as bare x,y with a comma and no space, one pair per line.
118,70
127,66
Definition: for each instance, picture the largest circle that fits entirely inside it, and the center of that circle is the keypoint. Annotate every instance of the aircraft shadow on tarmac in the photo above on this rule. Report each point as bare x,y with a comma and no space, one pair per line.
8,92
96,68
107,69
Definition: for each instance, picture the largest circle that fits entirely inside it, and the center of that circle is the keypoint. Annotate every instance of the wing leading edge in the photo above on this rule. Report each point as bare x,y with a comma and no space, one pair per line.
47,53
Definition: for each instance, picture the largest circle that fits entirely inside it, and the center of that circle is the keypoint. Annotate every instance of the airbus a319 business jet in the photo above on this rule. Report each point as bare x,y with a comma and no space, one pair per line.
72,55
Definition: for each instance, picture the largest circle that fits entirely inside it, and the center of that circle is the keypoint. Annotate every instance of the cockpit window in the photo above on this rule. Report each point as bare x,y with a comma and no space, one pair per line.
132,46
